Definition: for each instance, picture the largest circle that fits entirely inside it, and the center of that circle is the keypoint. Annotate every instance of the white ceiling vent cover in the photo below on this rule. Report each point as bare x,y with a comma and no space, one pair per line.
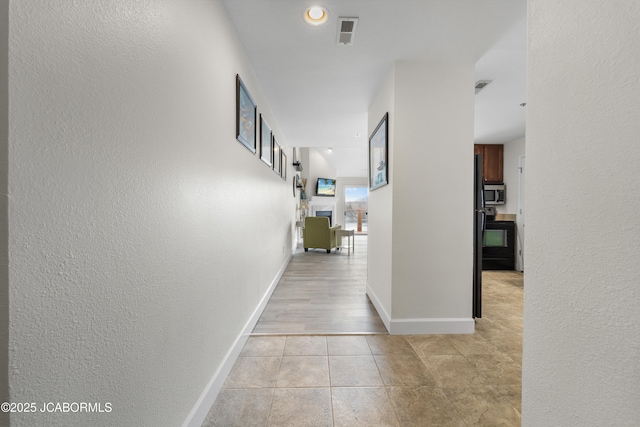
347,30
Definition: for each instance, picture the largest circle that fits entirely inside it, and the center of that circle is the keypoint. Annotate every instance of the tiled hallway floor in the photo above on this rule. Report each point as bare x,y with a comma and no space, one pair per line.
384,380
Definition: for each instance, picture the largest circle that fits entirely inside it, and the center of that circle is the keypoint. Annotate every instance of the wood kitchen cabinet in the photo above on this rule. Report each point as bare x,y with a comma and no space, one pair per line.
492,162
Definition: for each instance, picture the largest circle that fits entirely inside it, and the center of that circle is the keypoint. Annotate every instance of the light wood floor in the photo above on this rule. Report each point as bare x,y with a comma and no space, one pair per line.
321,293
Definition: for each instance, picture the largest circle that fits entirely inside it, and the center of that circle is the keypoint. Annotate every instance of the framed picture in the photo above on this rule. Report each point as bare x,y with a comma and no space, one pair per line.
246,111
293,180
265,142
283,165
276,156
379,155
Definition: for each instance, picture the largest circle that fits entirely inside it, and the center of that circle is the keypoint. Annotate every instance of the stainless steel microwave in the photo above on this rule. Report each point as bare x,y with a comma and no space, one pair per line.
495,194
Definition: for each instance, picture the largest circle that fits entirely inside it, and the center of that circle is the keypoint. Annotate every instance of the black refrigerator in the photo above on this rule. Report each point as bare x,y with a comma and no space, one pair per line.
479,218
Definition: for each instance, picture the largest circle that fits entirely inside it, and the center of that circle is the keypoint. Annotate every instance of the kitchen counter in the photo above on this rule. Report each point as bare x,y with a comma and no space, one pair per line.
505,217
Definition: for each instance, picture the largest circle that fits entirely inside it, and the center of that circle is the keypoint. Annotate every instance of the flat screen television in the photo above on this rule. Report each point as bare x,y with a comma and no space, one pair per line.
326,187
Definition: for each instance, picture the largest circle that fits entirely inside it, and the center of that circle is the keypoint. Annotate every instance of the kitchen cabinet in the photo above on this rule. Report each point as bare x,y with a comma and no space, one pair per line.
492,162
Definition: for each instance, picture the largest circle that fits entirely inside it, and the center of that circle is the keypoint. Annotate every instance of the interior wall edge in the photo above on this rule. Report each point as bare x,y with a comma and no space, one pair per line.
382,312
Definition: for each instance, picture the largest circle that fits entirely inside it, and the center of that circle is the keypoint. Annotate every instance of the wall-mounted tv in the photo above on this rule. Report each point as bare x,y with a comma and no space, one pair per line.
326,187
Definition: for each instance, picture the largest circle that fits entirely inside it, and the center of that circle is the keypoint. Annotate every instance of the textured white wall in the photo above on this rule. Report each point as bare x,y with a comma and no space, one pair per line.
581,347
4,204
142,235
433,192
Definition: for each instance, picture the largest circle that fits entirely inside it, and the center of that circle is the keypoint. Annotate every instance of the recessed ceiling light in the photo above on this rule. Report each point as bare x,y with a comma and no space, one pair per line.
357,135
329,150
316,15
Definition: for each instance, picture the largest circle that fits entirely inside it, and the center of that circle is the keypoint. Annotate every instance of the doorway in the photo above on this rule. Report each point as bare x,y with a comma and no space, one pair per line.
356,207
520,214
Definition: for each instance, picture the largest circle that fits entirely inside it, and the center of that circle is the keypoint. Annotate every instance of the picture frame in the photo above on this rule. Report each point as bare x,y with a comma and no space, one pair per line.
379,155
265,142
293,180
246,113
277,159
283,165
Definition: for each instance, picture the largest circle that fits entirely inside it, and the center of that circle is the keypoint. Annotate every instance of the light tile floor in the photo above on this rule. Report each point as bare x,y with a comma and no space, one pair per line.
384,380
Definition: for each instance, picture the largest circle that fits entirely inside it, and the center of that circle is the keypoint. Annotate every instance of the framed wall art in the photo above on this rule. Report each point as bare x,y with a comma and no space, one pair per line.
379,155
283,165
246,112
265,142
295,180
276,156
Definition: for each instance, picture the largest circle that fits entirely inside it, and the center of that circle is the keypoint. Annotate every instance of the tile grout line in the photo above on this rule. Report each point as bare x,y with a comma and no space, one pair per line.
275,386
333,409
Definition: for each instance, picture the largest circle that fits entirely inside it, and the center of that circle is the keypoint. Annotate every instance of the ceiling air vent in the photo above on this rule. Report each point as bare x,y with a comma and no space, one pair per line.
347,30
481,84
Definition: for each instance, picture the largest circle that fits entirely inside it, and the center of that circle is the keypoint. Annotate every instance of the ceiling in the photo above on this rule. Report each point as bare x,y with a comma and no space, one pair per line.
320,91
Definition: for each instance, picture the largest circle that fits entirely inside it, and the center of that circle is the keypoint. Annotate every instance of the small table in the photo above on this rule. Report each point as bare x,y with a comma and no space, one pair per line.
299,228
349,234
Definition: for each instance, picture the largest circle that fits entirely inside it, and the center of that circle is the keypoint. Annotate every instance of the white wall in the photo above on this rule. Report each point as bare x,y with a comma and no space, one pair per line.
581,346
433,244
512,152
142,235
429,253
380,227
4,204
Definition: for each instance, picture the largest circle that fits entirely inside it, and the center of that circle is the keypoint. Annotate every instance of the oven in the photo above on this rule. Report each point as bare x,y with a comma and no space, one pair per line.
499,245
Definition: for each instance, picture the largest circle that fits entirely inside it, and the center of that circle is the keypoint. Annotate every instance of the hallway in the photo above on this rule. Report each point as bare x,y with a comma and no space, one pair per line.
304,378
322,293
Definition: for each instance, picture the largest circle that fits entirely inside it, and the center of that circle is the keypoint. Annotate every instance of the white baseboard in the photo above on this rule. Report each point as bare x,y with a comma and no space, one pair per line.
384,316
432,326
424,326
199,412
